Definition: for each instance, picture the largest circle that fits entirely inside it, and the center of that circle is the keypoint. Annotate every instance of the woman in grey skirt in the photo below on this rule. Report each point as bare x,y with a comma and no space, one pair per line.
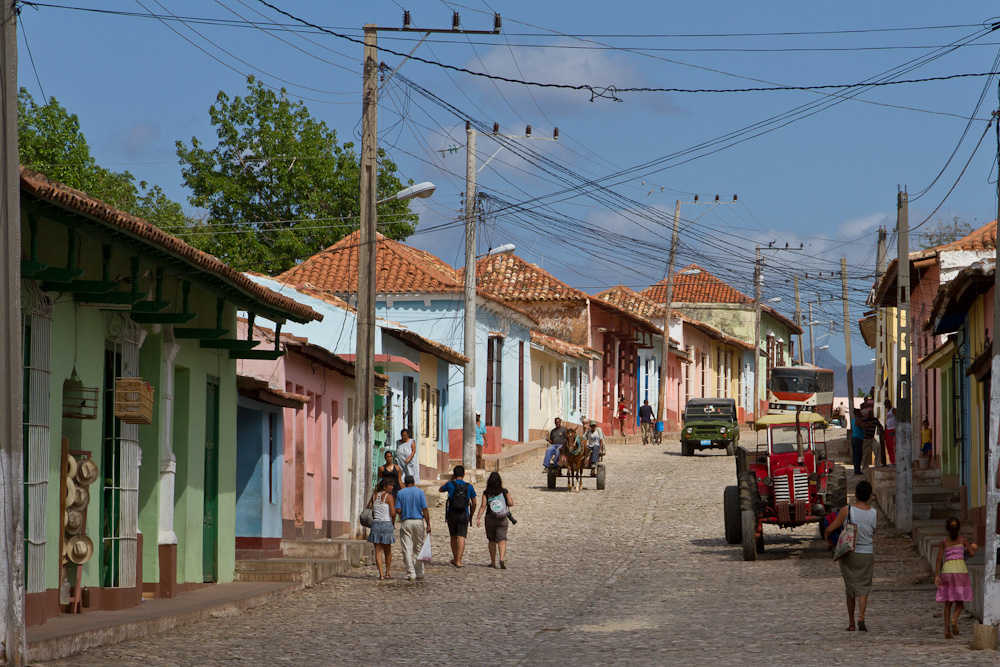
857,567
382,533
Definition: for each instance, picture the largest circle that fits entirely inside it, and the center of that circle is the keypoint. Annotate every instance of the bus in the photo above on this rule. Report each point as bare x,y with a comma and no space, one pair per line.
800,387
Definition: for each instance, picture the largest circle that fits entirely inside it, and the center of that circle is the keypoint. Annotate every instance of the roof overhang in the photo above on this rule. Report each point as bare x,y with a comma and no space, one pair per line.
418,342
939,357
869,330
391,363
260,390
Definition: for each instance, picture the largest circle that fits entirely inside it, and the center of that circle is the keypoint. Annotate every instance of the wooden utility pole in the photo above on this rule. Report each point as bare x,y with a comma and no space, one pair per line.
757,278
904,450
847,340
798,319
469,382
812,345
661,399
12,642
364,358
985,636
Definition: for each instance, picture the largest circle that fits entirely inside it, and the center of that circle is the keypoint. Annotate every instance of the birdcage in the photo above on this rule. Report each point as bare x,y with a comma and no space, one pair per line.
134,400
79,402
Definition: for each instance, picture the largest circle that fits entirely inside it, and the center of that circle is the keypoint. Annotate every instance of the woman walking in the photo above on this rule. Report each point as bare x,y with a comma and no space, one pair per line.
496,505
382,534
392,472
858,566
951,576
406,449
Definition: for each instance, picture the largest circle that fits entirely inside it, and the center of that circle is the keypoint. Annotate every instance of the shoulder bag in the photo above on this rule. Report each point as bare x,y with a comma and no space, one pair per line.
848,538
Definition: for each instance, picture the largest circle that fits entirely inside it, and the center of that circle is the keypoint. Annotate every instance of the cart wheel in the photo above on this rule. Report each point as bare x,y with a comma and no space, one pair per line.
601,477
552,478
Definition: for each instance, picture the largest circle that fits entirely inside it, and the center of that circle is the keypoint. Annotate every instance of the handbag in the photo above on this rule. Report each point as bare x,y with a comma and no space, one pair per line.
848,538
367,517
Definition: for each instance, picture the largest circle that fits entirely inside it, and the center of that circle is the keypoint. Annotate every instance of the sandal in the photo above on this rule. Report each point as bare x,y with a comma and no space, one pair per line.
850,628
503,566
954,628
861,625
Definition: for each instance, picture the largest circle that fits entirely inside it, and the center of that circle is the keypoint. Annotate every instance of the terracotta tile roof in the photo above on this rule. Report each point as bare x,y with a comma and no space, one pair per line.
701,287
62,195
398,268
628,299
952,297
427,345
564,348
984,238
510,277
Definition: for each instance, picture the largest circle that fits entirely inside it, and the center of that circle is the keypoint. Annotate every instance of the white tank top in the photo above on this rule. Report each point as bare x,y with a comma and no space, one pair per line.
866,521
380,508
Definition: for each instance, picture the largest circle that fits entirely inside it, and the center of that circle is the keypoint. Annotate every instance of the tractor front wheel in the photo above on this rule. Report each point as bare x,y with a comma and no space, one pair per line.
731,514
749,524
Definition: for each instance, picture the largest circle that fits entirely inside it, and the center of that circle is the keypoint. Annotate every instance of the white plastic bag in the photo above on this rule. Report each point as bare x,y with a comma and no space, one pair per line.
425,550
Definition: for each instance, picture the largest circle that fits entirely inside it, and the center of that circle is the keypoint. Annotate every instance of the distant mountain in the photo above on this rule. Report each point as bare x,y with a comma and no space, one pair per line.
864,374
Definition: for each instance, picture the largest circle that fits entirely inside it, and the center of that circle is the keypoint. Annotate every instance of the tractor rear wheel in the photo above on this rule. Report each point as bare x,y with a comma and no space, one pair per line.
836,489
731,514
749,524
749,494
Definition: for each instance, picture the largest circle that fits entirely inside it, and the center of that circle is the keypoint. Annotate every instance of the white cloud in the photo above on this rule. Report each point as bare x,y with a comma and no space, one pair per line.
851,229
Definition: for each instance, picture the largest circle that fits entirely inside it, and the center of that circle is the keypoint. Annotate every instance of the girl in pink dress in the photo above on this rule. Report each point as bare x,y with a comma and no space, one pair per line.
951,576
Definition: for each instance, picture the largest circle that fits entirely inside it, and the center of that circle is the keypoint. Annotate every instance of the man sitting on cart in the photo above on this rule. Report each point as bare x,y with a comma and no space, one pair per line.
594,438
556,439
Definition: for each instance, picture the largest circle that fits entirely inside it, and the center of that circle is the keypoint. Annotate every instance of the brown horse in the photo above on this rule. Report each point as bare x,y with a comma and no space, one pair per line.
575,457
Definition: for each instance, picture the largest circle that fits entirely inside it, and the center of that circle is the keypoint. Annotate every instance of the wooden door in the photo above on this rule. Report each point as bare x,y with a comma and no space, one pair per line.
210,528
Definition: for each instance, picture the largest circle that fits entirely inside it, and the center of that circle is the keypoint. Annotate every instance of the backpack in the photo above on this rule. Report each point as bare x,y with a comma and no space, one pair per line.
498,505
458,501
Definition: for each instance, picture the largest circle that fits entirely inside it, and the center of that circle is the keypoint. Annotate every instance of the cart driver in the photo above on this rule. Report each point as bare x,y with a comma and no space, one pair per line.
556,439
595,440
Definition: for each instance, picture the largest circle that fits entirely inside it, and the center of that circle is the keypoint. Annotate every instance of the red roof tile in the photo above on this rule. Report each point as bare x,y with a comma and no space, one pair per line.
62,195
398,268
702,287
510,277
563,347
630,300
984,238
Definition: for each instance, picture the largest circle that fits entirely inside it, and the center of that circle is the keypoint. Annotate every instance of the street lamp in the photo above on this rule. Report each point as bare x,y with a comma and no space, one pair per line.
823,347
505,249
364,351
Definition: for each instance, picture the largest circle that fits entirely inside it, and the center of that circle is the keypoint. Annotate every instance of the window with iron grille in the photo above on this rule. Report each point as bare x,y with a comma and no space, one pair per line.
425,410
409,397
436,410
574,389
687,371
705,360
494,356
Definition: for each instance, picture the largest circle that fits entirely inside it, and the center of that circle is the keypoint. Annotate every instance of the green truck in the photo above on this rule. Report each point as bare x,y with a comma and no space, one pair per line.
710,423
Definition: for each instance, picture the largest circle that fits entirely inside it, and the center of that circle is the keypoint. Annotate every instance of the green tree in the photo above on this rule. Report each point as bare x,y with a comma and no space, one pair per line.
945,232
52,143
277,186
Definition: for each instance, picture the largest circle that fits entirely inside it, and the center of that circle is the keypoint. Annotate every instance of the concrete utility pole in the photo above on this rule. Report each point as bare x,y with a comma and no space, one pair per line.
847,340
881,345
469,382
812,345
661,399
798,319
904,450
758,276
984,636
364,358
12,641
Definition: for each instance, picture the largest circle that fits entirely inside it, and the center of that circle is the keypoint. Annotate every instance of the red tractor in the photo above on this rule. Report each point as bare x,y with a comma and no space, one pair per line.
788,481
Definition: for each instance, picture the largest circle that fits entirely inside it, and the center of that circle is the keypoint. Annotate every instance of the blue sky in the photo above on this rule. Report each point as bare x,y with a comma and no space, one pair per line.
826,180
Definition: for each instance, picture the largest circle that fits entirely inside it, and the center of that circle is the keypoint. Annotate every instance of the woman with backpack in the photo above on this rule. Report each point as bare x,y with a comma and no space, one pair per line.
496,505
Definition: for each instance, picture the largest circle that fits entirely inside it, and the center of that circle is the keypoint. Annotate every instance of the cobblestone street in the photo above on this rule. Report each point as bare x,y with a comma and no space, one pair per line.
638,572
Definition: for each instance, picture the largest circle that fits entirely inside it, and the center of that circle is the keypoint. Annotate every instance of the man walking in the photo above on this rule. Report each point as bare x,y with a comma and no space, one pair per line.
556,439
646,421
411,505
458,512
870,447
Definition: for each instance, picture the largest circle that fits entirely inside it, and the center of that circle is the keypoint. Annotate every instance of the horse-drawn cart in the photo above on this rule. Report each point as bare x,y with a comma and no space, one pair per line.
574,461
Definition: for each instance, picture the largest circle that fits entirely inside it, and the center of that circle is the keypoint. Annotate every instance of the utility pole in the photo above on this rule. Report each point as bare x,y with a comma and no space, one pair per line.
469,381
881,346
904,449
757,278
12,637
847,339
661,399
984,636
812,345
798,318
364,358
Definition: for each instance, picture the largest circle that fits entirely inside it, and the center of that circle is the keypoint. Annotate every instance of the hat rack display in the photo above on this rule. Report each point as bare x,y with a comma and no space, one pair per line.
133,400
79,472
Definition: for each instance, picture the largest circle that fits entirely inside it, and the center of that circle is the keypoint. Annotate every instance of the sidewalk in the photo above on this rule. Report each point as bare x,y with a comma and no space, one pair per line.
72,633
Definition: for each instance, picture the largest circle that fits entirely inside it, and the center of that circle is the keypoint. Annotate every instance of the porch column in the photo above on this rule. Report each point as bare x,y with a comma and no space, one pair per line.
168,461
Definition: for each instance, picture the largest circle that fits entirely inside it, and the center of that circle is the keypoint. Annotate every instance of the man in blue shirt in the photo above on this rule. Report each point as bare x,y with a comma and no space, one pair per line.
458,512
480,432
411,506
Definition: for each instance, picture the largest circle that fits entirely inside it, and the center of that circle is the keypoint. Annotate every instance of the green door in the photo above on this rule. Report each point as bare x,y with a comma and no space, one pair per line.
210,530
